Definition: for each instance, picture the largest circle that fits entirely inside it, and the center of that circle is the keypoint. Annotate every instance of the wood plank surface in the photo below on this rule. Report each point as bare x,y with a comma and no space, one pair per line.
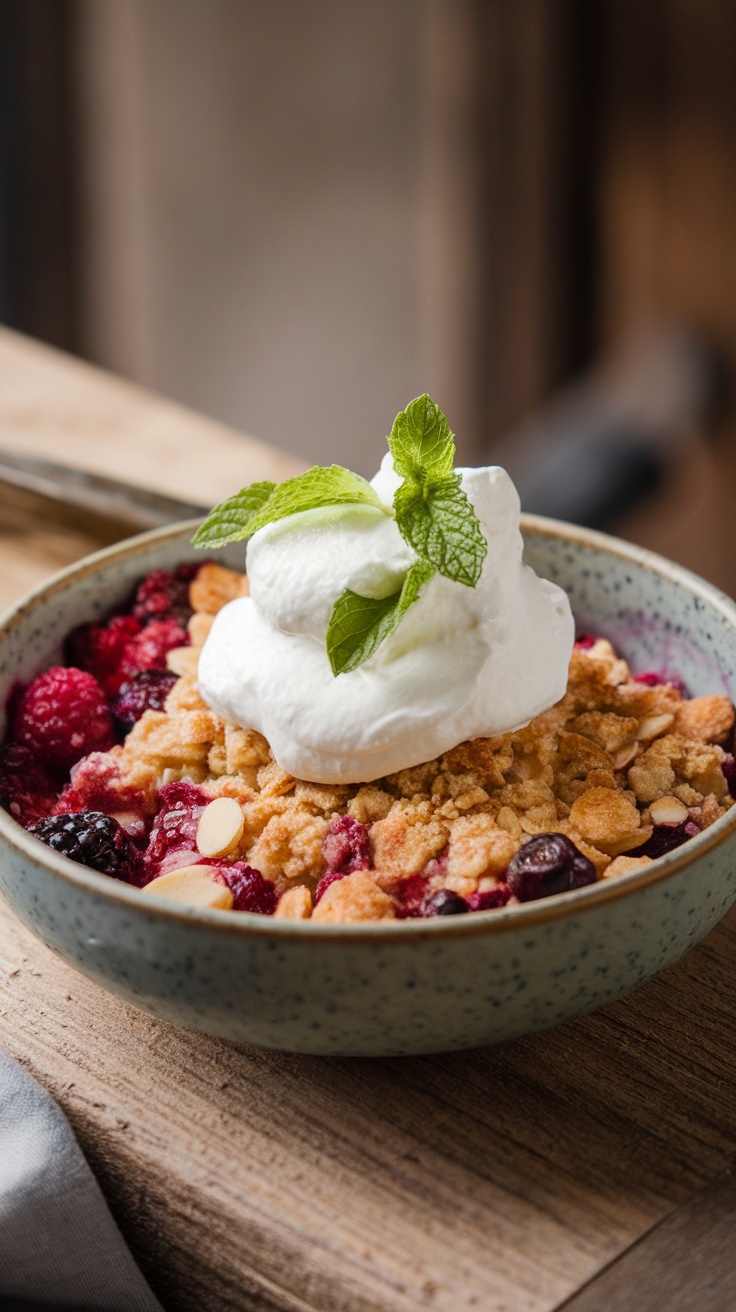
502,1179
685,1264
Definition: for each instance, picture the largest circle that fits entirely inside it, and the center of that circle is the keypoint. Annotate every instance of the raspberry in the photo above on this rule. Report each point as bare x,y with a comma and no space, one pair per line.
146,692
147,651
62,716
666,838
490,900
346,845
250,890
547,864
445,903
96,786
330,877
409,897
174,830
27,789
345,848
164,596
585,642
99,649
91,839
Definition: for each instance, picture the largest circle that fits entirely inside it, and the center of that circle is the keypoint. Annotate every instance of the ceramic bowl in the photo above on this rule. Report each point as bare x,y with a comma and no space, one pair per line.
409,986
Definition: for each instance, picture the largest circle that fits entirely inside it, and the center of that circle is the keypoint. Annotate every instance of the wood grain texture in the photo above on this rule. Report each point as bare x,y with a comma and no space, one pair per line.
501,1179
685,1264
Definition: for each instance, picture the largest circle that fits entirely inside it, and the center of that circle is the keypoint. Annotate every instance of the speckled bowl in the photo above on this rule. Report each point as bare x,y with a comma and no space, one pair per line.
412,986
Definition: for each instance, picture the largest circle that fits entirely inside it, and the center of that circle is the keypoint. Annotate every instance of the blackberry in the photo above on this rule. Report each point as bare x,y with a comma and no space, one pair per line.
146,692
88,837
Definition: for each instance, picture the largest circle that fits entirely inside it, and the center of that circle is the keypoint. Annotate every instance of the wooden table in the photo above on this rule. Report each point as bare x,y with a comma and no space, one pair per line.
501,1180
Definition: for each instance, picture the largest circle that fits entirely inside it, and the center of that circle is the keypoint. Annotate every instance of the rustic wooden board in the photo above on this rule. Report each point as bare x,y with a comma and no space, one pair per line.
501,1179
685,1264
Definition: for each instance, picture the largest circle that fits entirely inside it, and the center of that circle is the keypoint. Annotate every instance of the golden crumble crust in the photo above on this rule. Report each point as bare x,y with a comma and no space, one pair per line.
591,767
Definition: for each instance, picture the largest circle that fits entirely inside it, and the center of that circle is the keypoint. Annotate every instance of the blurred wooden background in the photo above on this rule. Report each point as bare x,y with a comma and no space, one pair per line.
295,216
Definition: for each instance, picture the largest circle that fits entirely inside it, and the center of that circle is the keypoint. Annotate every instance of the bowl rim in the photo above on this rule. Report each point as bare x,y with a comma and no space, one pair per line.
500,920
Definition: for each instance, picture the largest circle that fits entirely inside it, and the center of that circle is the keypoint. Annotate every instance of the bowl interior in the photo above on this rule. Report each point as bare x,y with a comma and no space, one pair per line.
658,615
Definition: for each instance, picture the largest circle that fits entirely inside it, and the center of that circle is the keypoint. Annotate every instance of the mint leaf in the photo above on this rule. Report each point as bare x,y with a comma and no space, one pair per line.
439,522
360,624
318,487
229,521
264,503
421,442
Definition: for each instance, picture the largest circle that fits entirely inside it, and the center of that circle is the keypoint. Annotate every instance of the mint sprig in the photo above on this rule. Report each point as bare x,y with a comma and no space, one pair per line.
432,512
229,521
265,503
421,442
438,521
359,624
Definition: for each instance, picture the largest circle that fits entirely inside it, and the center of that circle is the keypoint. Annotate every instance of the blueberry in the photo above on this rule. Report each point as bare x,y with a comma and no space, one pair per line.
445,903
547,864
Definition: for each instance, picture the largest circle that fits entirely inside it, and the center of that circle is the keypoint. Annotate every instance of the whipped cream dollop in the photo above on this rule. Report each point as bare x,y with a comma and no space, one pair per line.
463,662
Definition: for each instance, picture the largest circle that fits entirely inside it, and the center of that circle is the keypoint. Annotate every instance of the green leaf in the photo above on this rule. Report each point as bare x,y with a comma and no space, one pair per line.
439,522
360,624
229,522
264,503
333,486
421,442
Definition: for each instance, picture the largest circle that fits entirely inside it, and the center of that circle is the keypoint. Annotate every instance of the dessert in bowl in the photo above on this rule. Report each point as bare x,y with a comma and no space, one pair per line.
512,880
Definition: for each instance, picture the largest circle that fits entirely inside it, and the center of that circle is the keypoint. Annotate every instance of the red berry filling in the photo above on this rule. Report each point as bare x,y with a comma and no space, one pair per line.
147,650
346,845
62,716
164,596
99,649
173,840
251,892
651,679
28,789
491,899
146,692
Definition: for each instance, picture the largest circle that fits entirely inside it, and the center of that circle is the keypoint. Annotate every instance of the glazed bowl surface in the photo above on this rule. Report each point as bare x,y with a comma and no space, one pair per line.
410,986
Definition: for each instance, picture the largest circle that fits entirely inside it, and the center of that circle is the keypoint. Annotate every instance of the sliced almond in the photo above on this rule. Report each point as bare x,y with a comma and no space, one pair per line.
668,811
220,827
183,661
193,887
653,725
295,904
199,627
626,755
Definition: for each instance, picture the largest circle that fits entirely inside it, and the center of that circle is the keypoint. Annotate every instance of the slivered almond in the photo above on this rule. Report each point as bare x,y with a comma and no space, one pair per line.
653,725
220,828
668,811
183,661
191,886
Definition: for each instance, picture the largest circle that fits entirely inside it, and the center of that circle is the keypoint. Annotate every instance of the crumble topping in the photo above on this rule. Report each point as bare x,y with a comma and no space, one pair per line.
622,769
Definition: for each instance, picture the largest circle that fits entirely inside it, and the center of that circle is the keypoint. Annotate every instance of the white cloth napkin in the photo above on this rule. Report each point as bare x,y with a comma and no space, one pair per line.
58,1241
